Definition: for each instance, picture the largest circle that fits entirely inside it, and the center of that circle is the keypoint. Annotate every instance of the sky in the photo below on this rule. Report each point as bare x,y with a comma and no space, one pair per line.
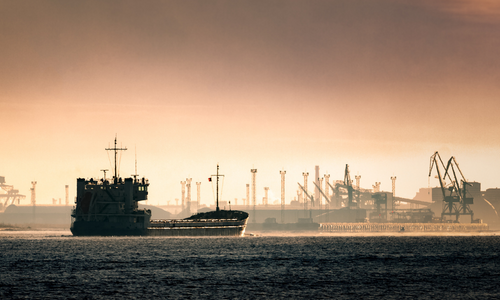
272,85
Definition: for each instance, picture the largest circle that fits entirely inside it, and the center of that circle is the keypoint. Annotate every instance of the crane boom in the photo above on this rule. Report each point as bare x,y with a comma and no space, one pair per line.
307,194
452,159
433,163
333,189
322,192
456,203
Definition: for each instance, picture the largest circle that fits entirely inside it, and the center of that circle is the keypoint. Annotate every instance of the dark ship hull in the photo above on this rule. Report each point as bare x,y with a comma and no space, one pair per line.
221,223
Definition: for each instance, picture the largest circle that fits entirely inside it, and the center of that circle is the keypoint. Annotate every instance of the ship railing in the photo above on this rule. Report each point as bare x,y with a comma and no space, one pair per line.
160,221
102,181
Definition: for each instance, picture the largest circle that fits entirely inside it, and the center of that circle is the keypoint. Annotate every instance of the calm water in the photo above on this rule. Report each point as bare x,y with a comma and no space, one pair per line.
53,265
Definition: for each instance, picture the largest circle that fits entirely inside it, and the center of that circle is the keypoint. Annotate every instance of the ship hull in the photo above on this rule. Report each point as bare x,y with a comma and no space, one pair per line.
89,228
197,231
162,228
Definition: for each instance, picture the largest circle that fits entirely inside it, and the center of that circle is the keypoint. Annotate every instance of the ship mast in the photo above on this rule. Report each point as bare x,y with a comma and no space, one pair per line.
115,149
217,187
135,174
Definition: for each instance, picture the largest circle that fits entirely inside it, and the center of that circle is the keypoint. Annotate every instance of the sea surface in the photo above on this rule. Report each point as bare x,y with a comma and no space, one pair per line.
56,265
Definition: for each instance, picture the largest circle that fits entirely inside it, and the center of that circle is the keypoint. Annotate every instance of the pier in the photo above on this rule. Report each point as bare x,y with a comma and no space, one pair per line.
399,227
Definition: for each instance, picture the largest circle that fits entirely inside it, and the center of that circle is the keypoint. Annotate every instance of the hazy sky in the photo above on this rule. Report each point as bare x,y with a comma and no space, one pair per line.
272,85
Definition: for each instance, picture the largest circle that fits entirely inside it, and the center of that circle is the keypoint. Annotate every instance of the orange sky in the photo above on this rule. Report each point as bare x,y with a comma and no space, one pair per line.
272,85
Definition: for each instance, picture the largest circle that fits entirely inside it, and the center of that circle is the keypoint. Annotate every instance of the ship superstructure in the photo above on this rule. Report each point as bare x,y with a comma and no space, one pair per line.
110,208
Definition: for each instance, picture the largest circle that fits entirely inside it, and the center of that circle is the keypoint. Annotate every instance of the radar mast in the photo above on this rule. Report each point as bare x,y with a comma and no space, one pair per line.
115,149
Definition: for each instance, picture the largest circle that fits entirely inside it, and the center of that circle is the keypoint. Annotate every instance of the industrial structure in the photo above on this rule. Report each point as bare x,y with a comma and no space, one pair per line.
183,195
9,196
343,200
346,202
248,196
456,200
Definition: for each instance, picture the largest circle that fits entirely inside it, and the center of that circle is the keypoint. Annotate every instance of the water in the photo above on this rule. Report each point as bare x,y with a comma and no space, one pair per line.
55,265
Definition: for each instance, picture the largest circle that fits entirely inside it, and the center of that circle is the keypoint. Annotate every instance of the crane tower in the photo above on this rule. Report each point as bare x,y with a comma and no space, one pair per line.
254,172
266,197
198,197
188,186
283,196
357,177
66,187
248,195
183,196
393,178
33,193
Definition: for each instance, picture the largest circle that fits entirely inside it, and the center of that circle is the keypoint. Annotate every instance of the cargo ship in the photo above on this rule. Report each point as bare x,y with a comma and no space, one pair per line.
110,208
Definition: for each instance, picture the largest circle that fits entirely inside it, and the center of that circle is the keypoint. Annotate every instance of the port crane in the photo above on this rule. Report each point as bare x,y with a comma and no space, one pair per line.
322,193
336,192
11,196
380,199
347,185
455,201
465,202
311,197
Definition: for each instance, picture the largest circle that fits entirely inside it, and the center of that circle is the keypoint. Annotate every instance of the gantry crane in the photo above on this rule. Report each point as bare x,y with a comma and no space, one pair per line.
347,185
336,192
322,193
12,195
465,202
311,197
380,213
455,201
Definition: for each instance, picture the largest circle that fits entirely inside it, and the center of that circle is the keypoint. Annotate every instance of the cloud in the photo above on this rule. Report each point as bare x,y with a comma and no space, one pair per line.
483,11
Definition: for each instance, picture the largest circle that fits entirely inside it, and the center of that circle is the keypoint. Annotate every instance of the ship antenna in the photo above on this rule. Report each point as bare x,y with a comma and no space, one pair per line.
115,149
217,187
135,174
